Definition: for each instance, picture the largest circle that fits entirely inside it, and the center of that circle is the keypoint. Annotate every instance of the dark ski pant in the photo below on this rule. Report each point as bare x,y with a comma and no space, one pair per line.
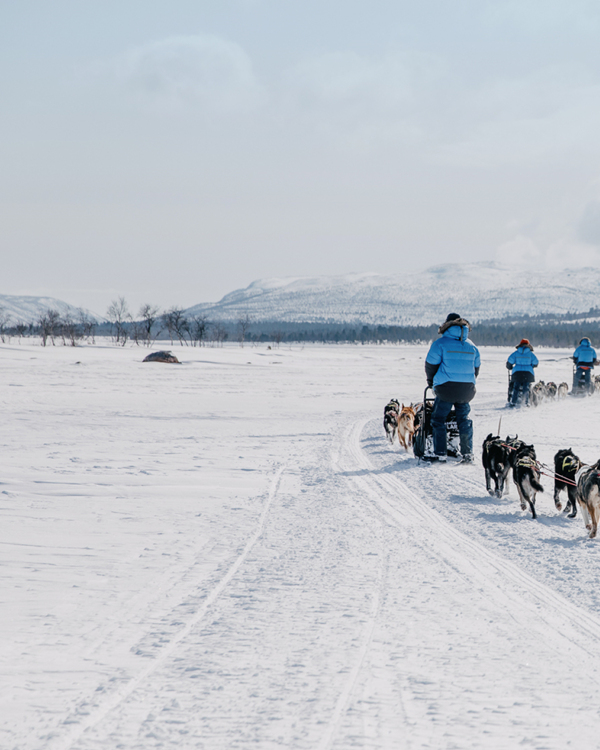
441,409
585,375
520,386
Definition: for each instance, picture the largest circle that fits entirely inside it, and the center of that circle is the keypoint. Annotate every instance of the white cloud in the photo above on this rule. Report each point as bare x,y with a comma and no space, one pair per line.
200,71
588,229
563,253
520,251
358,98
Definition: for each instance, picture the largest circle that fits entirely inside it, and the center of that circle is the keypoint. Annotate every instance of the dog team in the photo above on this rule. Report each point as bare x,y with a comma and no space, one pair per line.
581,481
522,388
451,368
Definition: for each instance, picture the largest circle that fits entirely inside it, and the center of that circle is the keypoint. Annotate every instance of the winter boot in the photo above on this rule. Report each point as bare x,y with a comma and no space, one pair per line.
466,446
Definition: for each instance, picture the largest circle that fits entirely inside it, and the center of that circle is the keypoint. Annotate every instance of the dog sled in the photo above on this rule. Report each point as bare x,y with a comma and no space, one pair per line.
423,438
582,381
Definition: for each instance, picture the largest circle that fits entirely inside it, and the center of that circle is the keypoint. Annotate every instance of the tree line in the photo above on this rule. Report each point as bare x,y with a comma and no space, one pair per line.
51,326
174,324
150,324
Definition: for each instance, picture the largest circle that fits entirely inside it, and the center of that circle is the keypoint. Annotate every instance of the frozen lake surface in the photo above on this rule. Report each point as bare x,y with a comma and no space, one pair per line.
228,554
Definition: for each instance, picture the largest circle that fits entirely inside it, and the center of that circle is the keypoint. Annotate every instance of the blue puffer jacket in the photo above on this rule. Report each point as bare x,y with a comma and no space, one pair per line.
585,354
456,355
523,360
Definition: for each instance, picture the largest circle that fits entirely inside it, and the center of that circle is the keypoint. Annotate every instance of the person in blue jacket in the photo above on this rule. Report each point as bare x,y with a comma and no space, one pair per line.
585,359
521,362
451,367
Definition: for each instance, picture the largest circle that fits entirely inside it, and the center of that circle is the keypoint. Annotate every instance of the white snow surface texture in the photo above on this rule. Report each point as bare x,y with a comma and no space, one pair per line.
478,291
228,554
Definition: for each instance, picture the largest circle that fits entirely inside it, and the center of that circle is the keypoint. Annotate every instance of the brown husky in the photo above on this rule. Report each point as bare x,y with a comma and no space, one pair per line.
406,426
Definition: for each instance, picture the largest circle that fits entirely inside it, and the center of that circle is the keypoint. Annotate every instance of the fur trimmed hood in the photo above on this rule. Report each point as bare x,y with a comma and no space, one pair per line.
462,322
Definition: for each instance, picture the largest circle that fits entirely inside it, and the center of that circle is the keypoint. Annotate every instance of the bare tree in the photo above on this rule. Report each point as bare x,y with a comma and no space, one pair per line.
219,333
242,328
136,332
176,324
149,315
277,337
49,324
4,320
70,330
88,326
198,326
20,329
119,315
169,324
44,326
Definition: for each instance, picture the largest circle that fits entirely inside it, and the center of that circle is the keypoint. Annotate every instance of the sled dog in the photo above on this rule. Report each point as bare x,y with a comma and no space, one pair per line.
390,419
406,426
538,393
526,475
495,460
588,494
562,391
566,465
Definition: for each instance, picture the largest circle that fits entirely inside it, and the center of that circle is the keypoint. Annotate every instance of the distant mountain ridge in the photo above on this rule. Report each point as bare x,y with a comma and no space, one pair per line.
25,309
478,291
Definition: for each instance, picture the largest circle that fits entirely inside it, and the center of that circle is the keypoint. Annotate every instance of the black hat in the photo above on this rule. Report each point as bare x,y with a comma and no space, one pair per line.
452,316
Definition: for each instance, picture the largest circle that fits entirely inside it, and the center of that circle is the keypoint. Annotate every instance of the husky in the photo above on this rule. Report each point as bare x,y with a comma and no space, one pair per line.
406,426
562,391
495,460
588,494
390,419
526,475
566,465
551,390
538,393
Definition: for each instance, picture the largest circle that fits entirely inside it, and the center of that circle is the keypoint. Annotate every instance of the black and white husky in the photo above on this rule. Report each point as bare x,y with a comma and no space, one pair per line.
496,463
526,475
390,419
588,494
566,466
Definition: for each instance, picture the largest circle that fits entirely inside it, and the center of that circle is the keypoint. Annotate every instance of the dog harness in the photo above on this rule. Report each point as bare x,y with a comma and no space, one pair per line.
570,463
529,462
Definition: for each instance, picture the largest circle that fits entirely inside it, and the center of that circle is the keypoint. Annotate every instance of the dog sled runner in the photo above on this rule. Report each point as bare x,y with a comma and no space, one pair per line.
423,439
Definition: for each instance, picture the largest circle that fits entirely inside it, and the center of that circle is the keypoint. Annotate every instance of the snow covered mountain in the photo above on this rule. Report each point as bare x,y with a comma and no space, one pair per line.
28,309
479,291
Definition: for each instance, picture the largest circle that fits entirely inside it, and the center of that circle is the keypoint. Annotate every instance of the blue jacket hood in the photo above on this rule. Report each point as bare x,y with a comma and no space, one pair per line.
458,332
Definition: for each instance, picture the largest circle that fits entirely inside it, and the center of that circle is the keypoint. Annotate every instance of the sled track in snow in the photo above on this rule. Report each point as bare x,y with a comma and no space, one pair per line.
345,696
343,701
557,620
58,741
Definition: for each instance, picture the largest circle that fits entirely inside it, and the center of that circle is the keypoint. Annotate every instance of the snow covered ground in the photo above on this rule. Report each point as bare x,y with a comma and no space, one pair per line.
228,554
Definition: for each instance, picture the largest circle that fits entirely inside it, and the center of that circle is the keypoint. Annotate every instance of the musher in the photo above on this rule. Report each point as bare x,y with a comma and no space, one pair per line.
585,359
452,366
521,362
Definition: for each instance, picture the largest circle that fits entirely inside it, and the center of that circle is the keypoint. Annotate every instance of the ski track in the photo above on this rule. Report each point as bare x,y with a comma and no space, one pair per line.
563,628
64,741
131,714
408,503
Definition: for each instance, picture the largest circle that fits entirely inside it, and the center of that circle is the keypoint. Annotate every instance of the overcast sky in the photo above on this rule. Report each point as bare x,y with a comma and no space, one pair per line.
173,151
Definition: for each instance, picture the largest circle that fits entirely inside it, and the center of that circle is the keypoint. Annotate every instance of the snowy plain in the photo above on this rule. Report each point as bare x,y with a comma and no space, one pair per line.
227,553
